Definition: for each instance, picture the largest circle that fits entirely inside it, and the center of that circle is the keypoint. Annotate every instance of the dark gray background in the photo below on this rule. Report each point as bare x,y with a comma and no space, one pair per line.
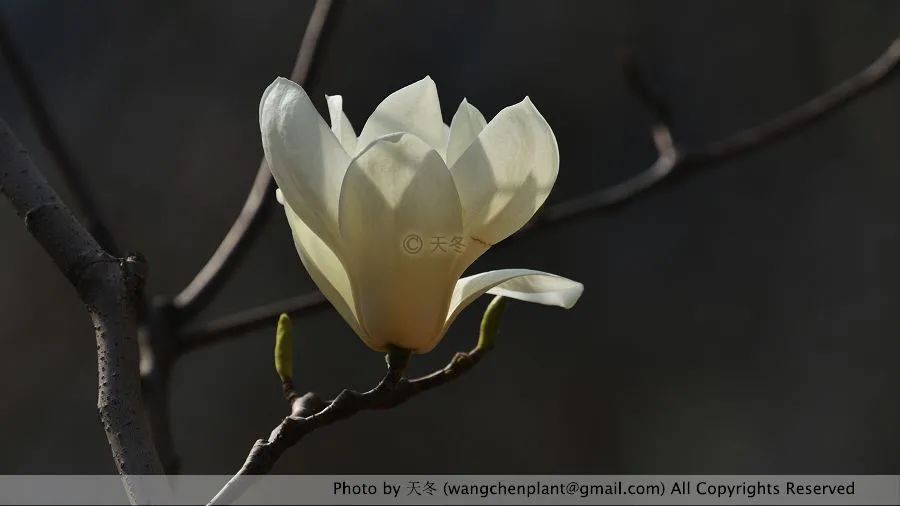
743,320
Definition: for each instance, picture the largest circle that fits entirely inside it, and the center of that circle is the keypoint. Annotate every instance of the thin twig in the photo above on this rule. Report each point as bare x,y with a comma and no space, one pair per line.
196,336
203,288
109,287
790,122
775,129
670,159
49,134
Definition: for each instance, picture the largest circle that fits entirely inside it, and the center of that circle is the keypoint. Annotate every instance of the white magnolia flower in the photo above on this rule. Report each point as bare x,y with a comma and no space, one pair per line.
387,222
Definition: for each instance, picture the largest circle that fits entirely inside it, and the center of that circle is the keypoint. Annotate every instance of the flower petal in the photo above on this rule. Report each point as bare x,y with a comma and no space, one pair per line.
467,123
522,284
445,138
506,173
398,200
340,125
326,271
305,157
414,109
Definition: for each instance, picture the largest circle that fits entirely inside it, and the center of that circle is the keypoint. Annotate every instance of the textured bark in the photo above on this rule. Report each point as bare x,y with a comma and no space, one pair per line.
110,289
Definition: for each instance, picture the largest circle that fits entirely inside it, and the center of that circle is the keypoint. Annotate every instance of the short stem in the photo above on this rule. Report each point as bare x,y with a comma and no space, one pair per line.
397,359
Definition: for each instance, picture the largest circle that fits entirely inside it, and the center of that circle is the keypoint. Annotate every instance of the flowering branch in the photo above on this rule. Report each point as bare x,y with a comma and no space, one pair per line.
309,412
110,288
671,159
53,142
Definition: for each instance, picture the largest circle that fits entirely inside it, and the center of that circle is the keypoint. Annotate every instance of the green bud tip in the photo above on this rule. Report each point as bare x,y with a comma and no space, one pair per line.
490,323
284,349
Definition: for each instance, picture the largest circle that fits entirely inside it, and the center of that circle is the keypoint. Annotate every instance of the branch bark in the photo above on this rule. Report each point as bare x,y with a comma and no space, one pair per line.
671,159
109,287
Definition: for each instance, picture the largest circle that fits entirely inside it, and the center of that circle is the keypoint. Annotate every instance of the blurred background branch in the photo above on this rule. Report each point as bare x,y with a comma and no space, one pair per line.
48,132
201,290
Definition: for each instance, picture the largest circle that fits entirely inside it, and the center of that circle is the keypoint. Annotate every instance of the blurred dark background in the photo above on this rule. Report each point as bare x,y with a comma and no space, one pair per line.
743,320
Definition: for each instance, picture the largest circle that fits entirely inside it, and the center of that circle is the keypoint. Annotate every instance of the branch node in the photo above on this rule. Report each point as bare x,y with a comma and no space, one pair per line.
307,405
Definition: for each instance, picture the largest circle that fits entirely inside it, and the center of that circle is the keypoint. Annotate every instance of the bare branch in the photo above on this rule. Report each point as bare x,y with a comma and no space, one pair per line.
53,142
670,158
309,413
790,122
778,128
198,335
109,287
201,290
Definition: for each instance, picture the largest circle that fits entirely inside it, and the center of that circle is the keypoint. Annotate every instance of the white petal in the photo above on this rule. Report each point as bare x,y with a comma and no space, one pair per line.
340,125
506,173
467,123
414,109
540,288
325,269
399,213
522,284
305,157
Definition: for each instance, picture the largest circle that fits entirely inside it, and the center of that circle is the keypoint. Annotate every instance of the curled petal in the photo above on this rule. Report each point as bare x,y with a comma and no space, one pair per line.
522,284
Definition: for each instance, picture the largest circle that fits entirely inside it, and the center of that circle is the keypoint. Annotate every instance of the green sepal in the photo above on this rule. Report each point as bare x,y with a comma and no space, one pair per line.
490,323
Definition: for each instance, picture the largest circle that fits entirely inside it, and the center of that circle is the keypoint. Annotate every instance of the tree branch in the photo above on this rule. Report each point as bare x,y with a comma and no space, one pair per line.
199,335
53,142
109,287
309,412
818,107
671,158
203,288
677,159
